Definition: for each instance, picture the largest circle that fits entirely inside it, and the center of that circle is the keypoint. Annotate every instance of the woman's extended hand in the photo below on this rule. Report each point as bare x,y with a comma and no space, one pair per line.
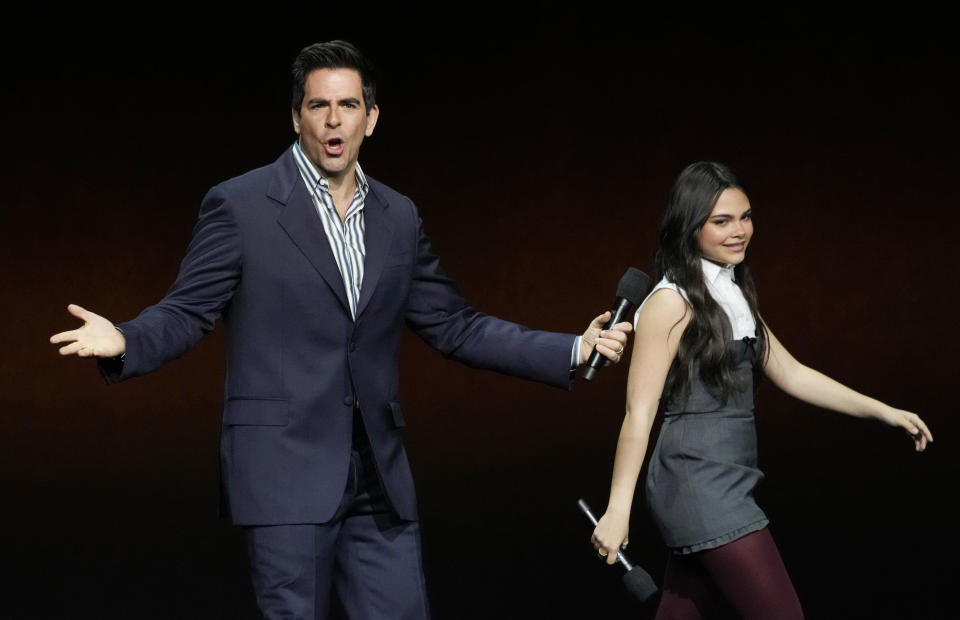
911,423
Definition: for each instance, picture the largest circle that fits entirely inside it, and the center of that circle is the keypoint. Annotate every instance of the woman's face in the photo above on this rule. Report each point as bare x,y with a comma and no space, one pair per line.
725,235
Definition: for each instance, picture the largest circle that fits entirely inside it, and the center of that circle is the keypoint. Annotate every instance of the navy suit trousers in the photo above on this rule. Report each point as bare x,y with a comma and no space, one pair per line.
365,554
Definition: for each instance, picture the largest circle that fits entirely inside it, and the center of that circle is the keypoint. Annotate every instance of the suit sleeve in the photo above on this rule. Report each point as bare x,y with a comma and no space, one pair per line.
209,274
438,313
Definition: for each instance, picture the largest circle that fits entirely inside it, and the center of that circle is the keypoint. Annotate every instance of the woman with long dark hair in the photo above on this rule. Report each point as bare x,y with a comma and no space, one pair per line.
700,345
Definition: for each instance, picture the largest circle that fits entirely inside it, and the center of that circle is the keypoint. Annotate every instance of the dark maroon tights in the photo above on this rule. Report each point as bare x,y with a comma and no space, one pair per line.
748,573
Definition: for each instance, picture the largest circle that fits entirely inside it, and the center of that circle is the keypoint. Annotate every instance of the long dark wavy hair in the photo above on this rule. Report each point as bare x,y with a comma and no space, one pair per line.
708,335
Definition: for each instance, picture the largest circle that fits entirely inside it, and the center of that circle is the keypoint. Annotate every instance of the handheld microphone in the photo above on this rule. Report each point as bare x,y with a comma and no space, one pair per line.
637,581
631,290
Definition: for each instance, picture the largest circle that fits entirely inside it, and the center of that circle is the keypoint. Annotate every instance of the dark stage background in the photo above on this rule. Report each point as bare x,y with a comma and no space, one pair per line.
539,145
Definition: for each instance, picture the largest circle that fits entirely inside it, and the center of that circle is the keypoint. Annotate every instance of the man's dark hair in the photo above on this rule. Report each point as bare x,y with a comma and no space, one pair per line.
332,55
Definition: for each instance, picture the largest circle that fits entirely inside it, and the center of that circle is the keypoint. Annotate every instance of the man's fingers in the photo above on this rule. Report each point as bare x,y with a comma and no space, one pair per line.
78,311
613,334
616,337
64,337
601,320
71,349
610,349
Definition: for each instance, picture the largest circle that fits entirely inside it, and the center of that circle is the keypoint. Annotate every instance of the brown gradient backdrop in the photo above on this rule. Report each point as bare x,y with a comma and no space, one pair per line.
539,146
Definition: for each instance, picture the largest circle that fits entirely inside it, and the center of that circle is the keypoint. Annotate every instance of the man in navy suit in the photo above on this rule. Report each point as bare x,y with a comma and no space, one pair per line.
315,269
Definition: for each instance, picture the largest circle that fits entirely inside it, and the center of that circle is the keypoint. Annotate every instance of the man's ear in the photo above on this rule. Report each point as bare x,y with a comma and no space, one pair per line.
295,114
372,117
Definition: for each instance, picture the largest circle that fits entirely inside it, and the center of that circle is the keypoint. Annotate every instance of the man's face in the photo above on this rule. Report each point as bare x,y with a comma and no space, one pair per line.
332,122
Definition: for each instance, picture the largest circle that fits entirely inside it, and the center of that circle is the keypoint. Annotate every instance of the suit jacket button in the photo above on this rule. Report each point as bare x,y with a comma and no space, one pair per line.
348,401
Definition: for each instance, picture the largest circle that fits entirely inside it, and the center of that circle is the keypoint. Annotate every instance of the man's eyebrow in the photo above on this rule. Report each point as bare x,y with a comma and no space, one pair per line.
321,100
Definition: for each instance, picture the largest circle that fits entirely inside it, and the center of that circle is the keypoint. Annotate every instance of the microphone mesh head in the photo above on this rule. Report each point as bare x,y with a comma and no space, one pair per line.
633,286
640,584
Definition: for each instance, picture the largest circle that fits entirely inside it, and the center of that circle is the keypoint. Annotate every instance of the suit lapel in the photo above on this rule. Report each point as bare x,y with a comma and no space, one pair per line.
300,220
377,238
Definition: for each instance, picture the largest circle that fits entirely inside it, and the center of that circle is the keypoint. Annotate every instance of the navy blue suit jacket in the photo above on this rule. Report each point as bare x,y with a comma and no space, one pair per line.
295,357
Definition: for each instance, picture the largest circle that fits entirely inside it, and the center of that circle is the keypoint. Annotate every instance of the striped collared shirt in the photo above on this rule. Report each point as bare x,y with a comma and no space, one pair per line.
345,236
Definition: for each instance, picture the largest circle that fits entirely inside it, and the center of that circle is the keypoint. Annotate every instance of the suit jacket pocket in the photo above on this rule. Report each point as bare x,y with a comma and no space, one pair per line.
256,412
398,420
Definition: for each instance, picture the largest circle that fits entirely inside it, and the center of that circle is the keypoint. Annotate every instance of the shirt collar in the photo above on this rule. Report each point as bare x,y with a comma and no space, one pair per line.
713,271
316,181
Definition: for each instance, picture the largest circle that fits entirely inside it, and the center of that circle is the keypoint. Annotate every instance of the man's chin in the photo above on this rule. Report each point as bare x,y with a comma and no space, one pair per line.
332,166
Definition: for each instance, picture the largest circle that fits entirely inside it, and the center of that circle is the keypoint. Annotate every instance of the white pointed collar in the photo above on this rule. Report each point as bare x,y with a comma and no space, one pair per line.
712,271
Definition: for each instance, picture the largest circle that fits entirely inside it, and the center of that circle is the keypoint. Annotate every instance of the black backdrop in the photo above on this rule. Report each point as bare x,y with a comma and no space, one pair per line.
539,144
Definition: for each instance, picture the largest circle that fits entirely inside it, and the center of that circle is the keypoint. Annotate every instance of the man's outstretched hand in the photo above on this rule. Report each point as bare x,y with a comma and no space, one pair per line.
609,342
96,338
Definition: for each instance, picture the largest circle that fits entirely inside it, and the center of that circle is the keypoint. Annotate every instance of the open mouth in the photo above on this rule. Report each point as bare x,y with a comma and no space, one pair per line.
333,146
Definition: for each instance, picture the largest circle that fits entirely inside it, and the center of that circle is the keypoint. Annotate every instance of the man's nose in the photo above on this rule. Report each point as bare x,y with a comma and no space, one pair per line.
333,117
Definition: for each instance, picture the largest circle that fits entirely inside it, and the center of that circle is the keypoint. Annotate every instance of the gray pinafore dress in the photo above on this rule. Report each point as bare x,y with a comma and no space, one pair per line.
703,469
